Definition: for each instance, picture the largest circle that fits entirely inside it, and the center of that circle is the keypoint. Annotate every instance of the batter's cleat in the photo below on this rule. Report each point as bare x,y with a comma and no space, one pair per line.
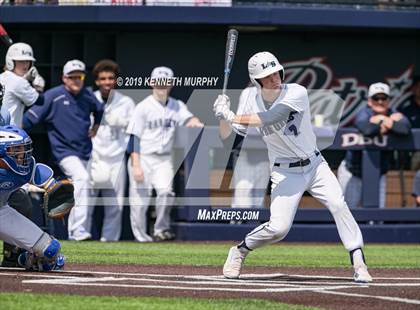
234,262
361,274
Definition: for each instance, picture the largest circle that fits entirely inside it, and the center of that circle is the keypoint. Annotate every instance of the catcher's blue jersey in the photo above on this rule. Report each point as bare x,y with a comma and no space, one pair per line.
10,180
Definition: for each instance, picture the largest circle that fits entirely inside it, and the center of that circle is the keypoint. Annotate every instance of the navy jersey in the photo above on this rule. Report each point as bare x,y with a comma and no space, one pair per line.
68,121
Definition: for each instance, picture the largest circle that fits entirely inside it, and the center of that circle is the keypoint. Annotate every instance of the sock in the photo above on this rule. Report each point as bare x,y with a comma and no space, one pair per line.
243,248
357,258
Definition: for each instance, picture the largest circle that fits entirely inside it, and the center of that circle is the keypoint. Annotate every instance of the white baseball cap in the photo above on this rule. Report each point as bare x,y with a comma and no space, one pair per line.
162,73
378,88
73,65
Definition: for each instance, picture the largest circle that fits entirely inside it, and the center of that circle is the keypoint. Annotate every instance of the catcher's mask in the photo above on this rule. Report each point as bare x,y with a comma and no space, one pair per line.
16,149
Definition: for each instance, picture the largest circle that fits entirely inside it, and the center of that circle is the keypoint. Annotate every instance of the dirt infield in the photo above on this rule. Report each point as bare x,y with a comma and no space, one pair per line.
322,287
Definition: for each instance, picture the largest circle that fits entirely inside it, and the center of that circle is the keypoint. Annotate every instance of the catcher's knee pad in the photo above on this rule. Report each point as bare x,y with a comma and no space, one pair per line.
21,202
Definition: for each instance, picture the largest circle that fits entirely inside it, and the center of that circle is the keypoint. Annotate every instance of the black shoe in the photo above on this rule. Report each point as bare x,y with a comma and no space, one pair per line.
10,255
9,263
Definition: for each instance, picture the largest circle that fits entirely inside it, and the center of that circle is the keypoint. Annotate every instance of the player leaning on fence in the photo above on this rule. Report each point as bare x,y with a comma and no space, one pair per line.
281,113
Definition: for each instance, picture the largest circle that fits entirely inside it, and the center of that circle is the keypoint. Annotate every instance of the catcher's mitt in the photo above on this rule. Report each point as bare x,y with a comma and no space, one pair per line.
59,199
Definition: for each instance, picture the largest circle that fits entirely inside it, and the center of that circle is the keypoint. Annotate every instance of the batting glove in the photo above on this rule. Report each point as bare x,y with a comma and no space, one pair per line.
223,113
222,100
35,79
39,83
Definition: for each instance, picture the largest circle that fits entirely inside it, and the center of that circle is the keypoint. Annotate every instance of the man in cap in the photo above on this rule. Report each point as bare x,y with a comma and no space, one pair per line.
152,129
376,119
66,111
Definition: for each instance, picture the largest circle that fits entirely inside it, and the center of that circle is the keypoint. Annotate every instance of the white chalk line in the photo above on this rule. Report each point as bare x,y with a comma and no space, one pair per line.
191,288
249,276
387,298
246,280
205,281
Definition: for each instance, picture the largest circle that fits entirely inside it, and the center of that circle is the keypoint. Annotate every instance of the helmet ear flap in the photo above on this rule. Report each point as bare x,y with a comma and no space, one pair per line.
282,75
10,64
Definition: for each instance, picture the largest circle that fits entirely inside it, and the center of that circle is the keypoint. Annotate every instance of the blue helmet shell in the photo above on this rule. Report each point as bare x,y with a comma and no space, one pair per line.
16,149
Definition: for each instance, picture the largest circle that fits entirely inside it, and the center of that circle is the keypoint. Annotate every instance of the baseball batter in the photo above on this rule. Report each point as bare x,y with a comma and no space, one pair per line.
18,167
150,165
108,166
281,113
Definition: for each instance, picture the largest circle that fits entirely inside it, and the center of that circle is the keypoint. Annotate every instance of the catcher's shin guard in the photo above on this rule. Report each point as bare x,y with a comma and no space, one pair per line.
46,246
45,255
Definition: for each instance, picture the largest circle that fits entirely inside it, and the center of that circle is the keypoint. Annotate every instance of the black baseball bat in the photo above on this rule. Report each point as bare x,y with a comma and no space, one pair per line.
232,39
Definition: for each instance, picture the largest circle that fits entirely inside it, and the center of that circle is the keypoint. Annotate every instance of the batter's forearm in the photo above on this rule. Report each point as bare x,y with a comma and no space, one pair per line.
224,129
249,120
135,159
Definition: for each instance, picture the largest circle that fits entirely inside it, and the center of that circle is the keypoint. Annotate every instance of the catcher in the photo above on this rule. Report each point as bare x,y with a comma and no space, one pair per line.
18,167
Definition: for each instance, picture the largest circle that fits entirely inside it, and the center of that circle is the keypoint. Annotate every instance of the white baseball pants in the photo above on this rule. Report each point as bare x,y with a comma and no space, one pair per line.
113,200
80,217
289,184
158,174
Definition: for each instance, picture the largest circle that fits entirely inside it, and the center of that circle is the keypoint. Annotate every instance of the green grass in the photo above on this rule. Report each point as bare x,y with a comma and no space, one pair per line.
214,254
54,302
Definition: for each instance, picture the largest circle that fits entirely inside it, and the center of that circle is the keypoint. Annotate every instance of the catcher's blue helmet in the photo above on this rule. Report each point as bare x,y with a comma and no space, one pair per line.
16,149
